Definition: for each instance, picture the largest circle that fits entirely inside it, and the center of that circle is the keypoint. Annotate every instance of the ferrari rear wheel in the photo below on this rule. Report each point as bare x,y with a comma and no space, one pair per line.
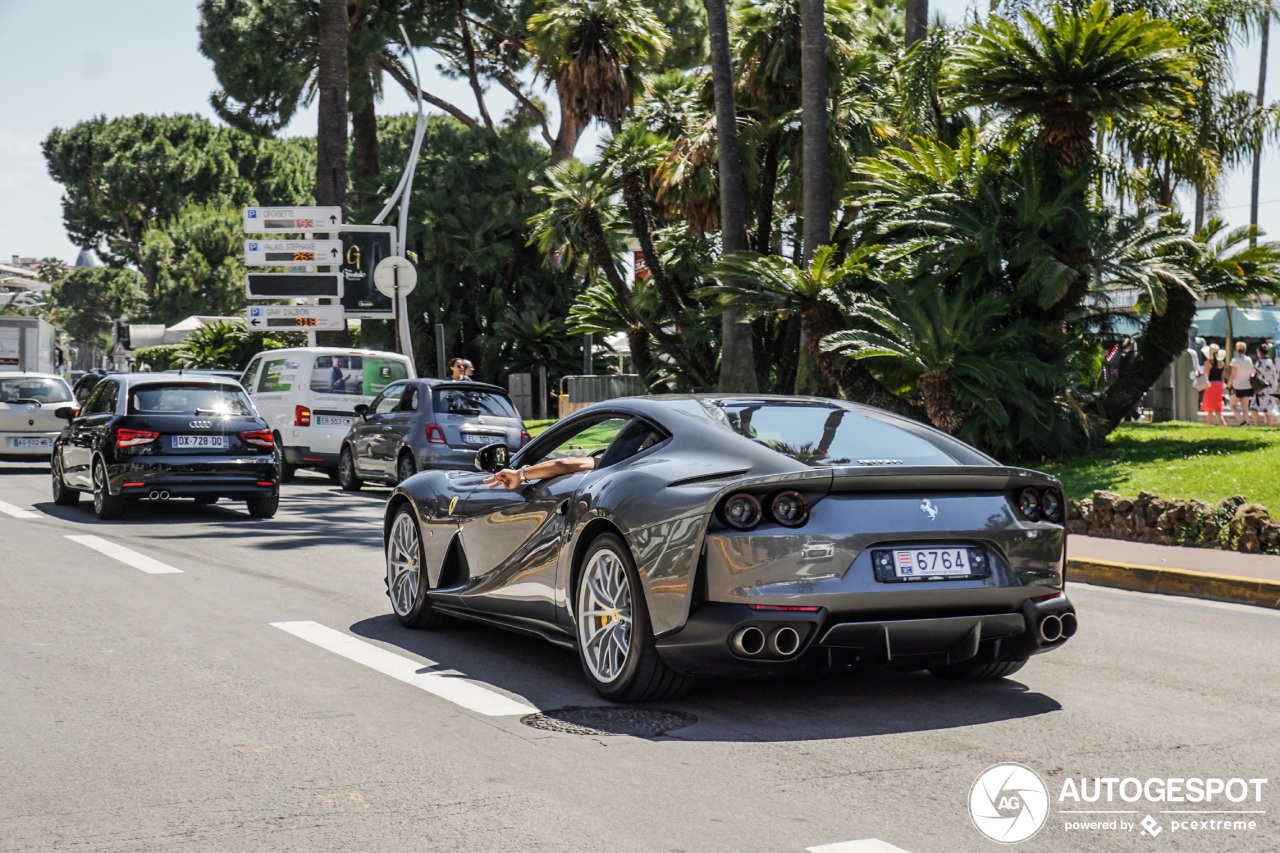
615,640
406,579
978,671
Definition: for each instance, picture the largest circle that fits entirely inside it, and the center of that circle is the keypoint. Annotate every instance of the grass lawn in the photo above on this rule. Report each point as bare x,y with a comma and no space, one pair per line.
1180,460
1173,459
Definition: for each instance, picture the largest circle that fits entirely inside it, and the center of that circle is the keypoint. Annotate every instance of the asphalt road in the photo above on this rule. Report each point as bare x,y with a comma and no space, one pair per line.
235,684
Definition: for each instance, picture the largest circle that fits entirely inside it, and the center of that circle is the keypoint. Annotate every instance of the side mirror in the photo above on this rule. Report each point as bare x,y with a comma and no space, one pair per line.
362,410
493,458
67,413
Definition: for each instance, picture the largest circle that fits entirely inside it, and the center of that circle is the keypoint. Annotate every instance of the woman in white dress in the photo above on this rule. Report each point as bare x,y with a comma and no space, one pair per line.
1263,406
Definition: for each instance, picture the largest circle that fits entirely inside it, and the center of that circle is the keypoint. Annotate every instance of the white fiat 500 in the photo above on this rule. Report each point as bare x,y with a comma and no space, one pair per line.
28,424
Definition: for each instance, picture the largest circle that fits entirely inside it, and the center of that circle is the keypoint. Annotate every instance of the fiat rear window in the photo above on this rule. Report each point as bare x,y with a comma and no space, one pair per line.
26,389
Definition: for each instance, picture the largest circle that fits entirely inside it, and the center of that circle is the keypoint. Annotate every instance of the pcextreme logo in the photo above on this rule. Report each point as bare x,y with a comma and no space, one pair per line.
1008,803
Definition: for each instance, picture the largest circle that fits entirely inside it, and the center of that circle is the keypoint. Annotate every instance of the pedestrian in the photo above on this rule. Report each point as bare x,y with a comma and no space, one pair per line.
1215,368
1239,379
468,371
1123,360
1264,404
458,368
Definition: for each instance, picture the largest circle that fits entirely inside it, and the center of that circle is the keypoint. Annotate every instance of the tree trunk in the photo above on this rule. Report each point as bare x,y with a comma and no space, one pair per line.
737,362
813,120
768,190
567,138
1164,340
364,139
331,133
855,381
917,22
1262,92
637,202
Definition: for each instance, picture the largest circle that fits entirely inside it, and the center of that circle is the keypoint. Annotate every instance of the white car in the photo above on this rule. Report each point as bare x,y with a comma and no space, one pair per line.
28,423
309,396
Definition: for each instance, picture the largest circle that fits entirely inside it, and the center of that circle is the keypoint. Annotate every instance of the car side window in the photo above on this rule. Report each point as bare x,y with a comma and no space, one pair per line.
389,400
101,399
409,402
251,372
591,439
635,438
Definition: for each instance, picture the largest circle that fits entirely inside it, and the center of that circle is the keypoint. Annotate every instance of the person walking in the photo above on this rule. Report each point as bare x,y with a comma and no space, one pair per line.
458,369
1239,376
1263,406
1123,360
1215,368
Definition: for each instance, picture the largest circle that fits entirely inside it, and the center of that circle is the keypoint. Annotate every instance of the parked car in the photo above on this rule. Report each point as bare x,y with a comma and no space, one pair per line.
156,436
309,395
28,423
426,423
734,535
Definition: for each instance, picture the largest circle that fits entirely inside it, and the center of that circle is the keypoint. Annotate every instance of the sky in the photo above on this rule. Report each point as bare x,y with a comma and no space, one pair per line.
66,61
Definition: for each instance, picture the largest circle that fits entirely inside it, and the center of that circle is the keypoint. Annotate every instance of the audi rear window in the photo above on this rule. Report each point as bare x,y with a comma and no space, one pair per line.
825,436
189,400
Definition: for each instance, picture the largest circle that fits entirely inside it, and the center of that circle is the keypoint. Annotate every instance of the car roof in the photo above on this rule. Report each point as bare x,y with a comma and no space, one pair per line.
464,384
132,380
22,374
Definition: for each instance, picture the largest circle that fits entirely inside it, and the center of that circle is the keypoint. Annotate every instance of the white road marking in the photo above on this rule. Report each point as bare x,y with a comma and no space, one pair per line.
472,695
17,511
126,555
865,845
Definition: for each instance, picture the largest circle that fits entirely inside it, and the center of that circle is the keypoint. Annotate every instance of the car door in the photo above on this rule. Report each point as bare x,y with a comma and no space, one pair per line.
512,539
375,443
83,433
401,422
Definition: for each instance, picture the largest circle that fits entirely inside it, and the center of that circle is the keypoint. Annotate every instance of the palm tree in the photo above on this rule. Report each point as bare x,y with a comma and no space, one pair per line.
737,361
822,295
1264,38
1073,71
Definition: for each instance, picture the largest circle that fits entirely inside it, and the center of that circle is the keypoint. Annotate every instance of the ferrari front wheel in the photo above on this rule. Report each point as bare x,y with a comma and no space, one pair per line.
615,639
407,574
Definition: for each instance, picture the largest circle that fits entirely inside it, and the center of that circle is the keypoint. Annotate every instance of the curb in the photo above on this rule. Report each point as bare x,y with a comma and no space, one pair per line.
1184,582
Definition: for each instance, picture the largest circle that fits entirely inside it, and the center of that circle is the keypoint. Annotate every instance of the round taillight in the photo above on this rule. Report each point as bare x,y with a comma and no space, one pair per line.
789,509
1051,503
742,511
1029,503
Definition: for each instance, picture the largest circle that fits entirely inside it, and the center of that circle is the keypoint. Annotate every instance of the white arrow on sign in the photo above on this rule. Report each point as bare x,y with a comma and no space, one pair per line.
284,220
265,318
394,277
285,253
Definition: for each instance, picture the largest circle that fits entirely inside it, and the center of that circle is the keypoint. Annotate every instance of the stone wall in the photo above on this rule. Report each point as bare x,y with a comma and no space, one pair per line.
1232,525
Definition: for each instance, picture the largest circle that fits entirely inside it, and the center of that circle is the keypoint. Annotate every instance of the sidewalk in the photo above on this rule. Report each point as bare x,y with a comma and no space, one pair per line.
1173,570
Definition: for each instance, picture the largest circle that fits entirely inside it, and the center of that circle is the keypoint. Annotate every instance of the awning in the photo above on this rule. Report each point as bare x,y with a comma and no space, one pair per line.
1263,322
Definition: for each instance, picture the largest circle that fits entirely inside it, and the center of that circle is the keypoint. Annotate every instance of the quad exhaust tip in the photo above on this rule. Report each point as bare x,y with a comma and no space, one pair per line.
1051,629
748,641
784,641
1069,625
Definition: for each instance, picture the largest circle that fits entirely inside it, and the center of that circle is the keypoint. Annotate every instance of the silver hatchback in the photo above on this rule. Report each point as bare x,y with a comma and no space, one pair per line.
28,424
415,424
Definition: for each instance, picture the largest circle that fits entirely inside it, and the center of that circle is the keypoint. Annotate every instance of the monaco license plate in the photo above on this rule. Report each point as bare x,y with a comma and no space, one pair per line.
933,562
218,442
474,438
333,420
33,442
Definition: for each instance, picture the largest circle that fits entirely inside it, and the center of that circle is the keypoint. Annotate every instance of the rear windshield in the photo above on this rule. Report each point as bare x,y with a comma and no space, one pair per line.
355,375
34,388
823,436
465,401
189,400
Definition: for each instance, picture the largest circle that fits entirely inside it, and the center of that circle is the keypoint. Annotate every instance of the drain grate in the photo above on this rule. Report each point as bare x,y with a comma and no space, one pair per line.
612,720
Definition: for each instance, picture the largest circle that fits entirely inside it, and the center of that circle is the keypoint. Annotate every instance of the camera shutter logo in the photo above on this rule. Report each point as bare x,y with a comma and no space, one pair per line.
1009,803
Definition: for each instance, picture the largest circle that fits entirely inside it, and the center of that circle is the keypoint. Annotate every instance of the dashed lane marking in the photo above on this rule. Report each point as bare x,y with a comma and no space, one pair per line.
17,511
865,845
126,555
425,675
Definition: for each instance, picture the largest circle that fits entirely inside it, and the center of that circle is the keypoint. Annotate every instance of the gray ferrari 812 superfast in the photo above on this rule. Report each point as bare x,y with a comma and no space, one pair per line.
721,535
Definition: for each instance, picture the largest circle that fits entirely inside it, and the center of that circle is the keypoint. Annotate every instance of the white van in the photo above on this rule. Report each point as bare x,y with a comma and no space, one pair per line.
309,395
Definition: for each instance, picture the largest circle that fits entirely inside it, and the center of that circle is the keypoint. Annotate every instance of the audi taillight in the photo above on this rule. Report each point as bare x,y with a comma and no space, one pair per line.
525,438
301,416
435,435
126,437
259,438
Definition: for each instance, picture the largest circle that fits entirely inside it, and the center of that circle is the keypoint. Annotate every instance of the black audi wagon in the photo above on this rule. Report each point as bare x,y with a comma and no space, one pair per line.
150,436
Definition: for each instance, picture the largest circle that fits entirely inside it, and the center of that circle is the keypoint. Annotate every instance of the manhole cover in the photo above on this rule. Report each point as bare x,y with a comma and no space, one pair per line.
637,722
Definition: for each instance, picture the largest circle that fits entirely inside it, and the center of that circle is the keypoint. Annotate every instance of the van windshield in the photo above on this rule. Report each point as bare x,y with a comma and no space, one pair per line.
355,375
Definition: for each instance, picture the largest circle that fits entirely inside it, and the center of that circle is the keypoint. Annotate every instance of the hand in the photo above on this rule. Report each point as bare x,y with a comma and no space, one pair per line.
507,478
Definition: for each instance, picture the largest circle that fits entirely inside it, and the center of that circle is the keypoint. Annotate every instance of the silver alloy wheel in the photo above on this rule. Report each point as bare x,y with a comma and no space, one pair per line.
99,486
406,467
346,467
404,564
604,615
